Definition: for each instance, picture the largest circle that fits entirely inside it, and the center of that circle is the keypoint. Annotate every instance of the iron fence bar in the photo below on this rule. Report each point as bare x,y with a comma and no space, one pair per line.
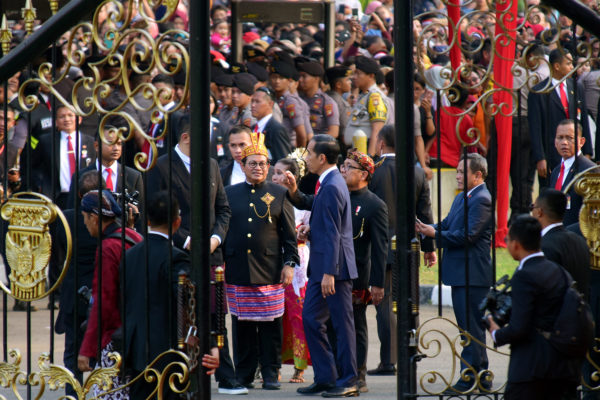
493,173
75,265
576,11
146,269
200,176
575,99
170,222
466,224
48,32
99,256
5,223
52,99
28,324
405,204
123,269
438,140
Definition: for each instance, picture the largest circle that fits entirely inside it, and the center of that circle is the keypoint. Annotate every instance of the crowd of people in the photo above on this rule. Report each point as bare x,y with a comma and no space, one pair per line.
302,178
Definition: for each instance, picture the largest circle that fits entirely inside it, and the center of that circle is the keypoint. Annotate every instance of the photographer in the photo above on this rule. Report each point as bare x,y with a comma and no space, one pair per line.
536,369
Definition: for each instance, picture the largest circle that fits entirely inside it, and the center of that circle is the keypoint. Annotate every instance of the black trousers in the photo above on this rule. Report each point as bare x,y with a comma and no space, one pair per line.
522,168
225,373
543,389
386,324
268,335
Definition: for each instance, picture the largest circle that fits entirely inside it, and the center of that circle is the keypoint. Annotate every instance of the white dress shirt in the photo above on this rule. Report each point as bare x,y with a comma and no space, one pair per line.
113,170
237,175
65,167
186,160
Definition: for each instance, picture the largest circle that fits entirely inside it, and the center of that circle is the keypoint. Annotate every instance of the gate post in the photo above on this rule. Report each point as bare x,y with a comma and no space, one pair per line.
405,177
200,174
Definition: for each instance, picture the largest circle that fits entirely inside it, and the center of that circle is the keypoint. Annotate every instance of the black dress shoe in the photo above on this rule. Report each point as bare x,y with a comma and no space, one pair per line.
382,371
22,306
271,385
315,388
340,391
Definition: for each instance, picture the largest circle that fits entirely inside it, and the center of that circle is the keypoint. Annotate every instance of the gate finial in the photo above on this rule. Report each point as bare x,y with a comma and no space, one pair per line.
28,13
5,36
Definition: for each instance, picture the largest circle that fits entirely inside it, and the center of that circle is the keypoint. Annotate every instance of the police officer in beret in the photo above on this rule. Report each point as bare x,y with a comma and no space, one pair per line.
370,112
340,83
227,112
262,75
241,95
295,119
324,113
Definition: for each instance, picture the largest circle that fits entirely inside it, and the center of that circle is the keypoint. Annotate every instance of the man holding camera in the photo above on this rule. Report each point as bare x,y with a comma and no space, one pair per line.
536,369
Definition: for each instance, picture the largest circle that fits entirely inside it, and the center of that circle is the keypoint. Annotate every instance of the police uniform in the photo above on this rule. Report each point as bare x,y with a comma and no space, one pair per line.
294,110
264,239
227,116
370,106
245,83
322,109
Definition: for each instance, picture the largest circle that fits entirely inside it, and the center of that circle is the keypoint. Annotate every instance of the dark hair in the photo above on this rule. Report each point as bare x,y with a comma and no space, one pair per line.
477,163
162,78
89,181
569,121
292,166
215,102
158,209
553,202
388,135
9,108
458,96
107,127
216,8
527,231
328,146
389,81
266,91
239,129
556,56
418,78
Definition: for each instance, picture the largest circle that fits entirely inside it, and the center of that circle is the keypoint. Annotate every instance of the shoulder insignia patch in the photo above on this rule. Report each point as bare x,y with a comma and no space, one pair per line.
328,110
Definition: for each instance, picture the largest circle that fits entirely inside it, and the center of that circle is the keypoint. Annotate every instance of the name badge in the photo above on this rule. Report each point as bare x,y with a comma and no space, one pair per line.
220,150
568,202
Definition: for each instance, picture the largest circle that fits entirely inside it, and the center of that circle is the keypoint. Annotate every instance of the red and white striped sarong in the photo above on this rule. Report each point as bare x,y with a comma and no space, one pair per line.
256,303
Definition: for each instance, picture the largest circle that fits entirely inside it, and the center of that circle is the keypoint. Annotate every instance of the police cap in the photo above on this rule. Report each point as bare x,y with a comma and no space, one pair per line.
313,68
284,69
224,80
245,82
339,71
367,65
258,71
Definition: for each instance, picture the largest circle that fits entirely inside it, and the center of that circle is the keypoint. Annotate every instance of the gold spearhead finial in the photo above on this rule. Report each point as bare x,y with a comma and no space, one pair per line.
53,6
5,36
28,13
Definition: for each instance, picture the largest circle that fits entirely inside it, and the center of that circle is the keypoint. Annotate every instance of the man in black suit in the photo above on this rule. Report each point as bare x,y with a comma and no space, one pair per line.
239,139
66,158
112,169
151,328
370,237
260,254
536,369
73,310
158,178
569,166
547,110
559,245
383,184
276,138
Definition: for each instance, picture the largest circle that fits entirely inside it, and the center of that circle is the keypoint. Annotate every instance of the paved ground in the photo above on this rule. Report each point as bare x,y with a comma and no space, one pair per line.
435,344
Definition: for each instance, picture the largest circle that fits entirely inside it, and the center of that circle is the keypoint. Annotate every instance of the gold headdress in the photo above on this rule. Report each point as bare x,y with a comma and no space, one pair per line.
298,156
257,147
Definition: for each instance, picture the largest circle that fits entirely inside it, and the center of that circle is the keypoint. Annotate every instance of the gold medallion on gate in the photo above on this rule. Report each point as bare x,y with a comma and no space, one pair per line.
28,245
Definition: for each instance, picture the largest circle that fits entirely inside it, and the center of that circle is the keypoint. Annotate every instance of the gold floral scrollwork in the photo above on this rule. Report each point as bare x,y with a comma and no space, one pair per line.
28,244
587,185
435,341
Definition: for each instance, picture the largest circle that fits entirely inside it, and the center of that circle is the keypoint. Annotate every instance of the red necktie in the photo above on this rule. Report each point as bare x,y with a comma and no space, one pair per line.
256,128
49,105
71,154
563,99
317,187
109,182
559,181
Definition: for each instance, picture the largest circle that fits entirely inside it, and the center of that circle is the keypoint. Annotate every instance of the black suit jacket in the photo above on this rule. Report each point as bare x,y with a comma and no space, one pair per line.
42,162
158,179
574,200
161,319
383,184
133,182
545,111
277,140
537,292
370,236
260,244
570,251
84,264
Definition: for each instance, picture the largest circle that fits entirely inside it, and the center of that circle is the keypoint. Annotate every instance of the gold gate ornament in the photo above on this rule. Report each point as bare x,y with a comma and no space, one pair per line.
28,244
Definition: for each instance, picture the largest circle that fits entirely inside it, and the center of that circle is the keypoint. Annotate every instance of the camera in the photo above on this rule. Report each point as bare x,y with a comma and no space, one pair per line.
130,199
498,303
85,297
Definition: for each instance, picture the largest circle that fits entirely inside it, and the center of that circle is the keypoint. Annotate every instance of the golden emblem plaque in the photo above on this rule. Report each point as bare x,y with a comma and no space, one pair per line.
28,244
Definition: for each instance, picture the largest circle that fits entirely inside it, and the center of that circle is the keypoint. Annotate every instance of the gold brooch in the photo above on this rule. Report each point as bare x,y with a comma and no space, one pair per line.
267,199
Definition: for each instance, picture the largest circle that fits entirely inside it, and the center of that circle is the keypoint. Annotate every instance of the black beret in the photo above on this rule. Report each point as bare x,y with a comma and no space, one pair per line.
339,71
250,51
179,77
284,69
245,82
237,68
283,56
258,71
224,80
367,65
313,68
